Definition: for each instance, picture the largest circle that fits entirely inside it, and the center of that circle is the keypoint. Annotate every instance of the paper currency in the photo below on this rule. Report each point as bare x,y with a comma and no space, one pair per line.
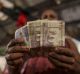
18,33
25,33
43,33
33,36
56,32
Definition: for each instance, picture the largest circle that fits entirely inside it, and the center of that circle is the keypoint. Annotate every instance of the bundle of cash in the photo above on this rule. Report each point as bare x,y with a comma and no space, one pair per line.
42,33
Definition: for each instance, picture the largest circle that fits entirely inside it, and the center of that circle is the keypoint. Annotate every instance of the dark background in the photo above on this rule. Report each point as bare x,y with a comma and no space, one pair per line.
68,10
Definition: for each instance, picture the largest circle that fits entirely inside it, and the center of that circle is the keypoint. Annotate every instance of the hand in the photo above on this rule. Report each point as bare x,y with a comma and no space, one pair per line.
15,52
66,57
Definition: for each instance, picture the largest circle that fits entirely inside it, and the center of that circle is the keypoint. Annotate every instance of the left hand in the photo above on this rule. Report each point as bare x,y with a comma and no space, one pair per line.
67,58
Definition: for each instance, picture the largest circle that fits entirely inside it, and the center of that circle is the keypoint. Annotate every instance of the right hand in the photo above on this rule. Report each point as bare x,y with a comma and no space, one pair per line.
15,52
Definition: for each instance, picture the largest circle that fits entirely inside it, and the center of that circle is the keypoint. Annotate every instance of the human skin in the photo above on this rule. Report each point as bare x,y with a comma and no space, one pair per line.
66,58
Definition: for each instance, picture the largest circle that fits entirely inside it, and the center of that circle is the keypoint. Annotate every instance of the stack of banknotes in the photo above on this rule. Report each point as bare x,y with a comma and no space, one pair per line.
42,33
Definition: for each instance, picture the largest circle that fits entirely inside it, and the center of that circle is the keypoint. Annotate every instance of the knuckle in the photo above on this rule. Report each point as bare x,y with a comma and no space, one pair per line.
18,54
7,56
10,49
19,61
11,42
13,49
73,60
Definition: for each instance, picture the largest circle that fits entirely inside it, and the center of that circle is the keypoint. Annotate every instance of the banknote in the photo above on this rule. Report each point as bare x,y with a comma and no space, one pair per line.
34,34
25,33
42,33
53,33
56,33
18,33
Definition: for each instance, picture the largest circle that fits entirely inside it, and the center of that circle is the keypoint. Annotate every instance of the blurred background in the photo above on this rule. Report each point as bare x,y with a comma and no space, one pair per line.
10,11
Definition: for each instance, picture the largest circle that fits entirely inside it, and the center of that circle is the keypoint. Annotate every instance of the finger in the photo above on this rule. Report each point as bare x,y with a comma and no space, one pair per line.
19,49
70,44
14,56
62,58
64,51
15,42
60,64
16,62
